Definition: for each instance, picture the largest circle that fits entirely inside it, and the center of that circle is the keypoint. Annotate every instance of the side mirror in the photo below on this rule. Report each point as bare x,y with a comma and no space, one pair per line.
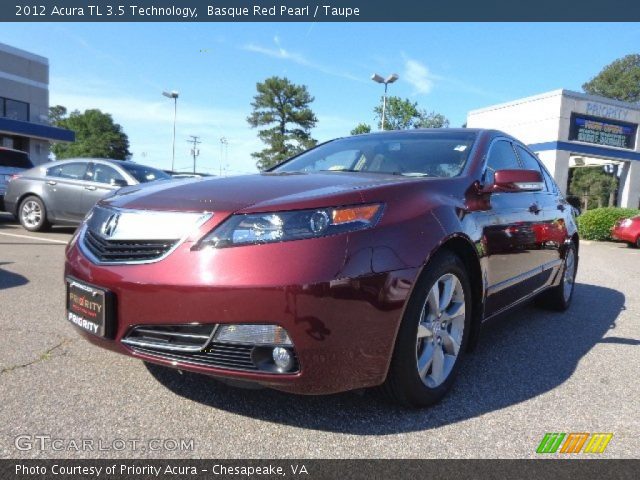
515,181
118,182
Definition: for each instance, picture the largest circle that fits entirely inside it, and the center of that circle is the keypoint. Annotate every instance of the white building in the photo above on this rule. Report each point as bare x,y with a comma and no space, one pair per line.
570,129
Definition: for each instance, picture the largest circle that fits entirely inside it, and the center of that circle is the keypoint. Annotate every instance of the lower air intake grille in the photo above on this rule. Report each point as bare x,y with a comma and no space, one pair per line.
122,251
236,357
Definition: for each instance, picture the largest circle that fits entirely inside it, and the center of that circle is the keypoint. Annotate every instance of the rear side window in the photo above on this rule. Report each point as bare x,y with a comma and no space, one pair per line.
14,159
74,171
105,174
501,157
144,174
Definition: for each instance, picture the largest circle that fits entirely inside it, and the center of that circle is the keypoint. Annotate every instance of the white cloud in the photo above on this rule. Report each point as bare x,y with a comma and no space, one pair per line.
283,54
418,76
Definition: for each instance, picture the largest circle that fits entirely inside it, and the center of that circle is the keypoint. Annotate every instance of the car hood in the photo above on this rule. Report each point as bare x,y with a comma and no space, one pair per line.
261,192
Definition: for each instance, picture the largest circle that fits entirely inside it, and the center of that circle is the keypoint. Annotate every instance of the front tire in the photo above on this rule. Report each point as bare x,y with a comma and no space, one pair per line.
33,214
433,334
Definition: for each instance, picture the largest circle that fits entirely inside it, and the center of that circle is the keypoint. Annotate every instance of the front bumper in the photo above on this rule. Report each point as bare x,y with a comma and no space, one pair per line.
342,325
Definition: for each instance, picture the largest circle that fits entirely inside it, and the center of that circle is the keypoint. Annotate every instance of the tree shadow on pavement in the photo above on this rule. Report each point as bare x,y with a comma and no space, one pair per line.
524,354
10,279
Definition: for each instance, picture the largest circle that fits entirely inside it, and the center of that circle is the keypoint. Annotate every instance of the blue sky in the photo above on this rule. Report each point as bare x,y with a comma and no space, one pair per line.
450,68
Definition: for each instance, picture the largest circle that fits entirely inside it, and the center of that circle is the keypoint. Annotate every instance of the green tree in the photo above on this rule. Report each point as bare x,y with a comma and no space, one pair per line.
57,113
361,128
619,80
96,135
404,114
433,120
593,186
283,108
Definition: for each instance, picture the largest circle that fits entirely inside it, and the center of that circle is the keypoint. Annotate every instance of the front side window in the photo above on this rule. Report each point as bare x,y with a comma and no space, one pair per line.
530,162
73,171
501,157
419,154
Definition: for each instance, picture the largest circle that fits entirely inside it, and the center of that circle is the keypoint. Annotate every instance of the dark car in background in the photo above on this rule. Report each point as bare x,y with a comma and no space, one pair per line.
12,162
365,261
62,192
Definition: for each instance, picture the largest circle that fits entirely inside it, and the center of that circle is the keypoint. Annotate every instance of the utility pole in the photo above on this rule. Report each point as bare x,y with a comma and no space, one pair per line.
194,149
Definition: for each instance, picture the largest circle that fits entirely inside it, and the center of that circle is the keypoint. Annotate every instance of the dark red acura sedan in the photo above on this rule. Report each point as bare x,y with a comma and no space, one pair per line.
369,260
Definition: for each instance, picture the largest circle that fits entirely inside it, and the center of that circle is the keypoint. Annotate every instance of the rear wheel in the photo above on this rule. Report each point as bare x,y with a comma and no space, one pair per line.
433,334
33,214
559,297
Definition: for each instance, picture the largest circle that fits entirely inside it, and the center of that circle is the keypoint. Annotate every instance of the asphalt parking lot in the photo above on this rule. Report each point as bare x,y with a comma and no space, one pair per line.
534,372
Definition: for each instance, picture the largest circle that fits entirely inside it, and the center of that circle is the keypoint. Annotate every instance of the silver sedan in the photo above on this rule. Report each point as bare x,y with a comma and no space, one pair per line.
62,192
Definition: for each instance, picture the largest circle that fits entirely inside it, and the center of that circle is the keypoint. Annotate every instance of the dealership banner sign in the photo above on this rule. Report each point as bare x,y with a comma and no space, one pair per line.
318,469
316,11
602,131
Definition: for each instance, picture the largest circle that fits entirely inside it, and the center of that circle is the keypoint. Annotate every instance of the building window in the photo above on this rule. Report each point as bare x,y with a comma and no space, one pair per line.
14,109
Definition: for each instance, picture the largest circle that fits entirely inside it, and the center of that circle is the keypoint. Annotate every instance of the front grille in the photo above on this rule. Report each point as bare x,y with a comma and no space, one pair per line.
192,344
120,251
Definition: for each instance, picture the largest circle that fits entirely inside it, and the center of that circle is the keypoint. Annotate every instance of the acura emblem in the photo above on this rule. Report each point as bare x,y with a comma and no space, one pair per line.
110,225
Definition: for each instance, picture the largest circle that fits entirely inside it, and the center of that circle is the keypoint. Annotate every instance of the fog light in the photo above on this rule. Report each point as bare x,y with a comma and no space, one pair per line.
282,358
253,334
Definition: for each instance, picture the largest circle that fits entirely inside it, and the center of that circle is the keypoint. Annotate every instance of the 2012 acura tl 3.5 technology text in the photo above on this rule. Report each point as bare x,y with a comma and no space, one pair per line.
369,260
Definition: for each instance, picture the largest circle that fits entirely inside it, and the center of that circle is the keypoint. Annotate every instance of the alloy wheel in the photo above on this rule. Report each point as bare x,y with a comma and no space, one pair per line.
440,330
569,274
31,213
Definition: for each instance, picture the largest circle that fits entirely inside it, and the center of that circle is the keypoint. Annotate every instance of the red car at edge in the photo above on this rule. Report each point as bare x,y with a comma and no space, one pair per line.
627,230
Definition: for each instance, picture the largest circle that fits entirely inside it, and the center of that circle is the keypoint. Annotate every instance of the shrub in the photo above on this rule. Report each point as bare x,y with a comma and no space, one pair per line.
596,224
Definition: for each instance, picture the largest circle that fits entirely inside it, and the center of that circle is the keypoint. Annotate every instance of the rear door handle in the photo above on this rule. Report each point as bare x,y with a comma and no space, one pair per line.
51,182
90,187
534,208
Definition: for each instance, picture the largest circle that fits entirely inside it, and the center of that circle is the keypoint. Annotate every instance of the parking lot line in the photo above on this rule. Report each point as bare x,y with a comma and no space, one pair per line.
34,238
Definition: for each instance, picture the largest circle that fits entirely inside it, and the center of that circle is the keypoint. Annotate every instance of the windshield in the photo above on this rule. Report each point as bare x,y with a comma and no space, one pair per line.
11,158
429,154
144,174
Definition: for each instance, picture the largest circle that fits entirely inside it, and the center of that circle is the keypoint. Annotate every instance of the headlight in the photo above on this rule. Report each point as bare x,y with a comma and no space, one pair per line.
256,228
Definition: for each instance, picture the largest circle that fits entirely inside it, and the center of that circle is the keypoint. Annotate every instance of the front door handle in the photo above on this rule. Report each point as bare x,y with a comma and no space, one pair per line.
561,207
51,182
534,208
90,187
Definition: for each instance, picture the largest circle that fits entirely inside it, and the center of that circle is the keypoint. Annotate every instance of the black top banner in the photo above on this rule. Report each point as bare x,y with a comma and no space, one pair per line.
319,11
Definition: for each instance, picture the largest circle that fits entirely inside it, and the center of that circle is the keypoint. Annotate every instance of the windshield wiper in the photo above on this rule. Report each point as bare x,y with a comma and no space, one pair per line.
413,174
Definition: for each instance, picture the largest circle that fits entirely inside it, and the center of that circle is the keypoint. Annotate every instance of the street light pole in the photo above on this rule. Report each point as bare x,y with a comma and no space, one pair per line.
390,79
173,94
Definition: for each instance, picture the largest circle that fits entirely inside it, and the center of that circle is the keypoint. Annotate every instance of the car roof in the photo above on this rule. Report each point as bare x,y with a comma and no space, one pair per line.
417,131
7,149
